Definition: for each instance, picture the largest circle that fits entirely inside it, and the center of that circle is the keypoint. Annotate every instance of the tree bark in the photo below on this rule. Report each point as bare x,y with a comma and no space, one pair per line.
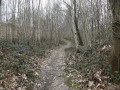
0,12
115,56
77,36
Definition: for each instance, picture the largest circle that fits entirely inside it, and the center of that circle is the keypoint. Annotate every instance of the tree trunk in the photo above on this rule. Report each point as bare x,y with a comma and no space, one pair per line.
77,36
115,56
0,12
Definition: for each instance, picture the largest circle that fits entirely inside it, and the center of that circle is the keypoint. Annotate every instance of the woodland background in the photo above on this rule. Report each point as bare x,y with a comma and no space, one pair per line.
30,28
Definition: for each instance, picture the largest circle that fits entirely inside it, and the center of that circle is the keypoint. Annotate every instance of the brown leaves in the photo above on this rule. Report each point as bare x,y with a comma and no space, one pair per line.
91,83
13,79
93,69
97,76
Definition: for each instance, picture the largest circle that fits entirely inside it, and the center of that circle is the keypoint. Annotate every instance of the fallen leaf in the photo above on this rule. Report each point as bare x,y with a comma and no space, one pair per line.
91,83
24,76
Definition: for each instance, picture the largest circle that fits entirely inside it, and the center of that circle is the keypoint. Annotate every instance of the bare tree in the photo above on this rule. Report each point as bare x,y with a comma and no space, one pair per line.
77,36
84,21
115,57
13,21
0,7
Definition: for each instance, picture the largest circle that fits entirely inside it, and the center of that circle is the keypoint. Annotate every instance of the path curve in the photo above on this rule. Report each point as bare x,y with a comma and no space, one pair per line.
52,72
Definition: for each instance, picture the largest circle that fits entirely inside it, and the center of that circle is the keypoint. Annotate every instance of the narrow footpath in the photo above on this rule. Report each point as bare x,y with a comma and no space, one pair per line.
52,71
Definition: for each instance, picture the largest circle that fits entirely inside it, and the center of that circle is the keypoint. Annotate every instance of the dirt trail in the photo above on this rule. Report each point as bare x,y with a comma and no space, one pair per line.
52,72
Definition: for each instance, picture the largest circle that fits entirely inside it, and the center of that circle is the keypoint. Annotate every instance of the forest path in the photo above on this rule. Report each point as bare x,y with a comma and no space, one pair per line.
52,71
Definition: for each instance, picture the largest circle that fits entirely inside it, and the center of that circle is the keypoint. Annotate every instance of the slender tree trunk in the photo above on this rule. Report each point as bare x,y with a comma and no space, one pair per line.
13,22
115,56
0,17
77,36
0,11
6,25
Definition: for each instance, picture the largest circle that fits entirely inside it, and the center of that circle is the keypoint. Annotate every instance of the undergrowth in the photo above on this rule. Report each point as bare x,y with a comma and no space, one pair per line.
89,68
19,65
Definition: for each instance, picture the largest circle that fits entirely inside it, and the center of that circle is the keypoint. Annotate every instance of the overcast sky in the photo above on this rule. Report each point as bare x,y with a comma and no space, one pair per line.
8,4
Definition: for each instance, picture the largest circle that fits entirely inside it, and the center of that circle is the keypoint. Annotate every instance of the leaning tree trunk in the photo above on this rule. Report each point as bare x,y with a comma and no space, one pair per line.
115,56
77,36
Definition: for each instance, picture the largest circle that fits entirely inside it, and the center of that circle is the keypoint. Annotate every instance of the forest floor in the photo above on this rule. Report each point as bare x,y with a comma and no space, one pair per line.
25,67
89,68
52,70
20,65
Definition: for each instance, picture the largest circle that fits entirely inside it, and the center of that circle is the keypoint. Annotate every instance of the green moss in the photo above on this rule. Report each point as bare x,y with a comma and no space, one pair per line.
69,81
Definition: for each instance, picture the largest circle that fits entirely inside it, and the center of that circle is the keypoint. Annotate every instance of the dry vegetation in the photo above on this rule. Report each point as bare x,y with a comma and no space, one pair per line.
20,65
90,68
29,29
